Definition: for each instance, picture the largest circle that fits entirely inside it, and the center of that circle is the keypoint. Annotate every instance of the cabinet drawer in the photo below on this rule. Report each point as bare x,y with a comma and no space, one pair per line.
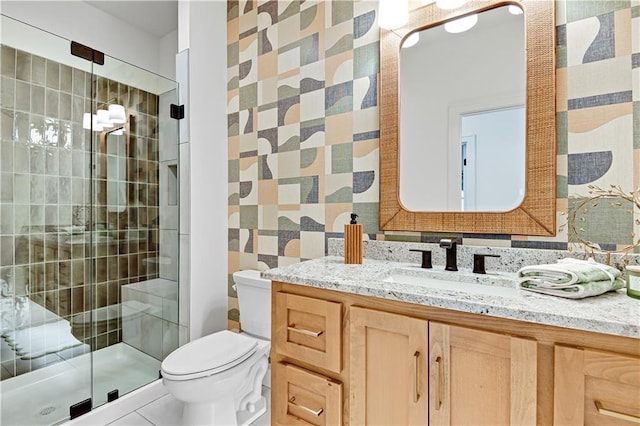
306,398
596,388
309,330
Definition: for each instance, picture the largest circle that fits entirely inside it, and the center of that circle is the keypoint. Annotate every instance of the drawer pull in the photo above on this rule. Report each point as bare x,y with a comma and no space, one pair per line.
616,414
316,413
416,395
440,385
304,331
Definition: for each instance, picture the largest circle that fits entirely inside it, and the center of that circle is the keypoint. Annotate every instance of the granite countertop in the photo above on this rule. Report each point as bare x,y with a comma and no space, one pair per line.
611,313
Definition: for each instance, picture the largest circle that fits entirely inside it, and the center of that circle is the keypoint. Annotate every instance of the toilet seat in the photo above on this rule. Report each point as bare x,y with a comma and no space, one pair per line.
208,355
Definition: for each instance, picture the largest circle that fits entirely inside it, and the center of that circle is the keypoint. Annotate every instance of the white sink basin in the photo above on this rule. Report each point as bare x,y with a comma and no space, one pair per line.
460,281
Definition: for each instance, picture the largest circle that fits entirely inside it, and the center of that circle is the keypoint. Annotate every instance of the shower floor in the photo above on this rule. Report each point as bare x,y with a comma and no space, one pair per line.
43,397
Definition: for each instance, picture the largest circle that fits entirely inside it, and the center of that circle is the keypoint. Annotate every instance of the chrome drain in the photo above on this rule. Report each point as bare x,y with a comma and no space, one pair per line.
47,410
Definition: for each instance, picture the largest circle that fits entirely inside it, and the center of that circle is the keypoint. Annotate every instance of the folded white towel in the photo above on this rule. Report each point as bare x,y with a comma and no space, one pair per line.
16,338
34,342
572,278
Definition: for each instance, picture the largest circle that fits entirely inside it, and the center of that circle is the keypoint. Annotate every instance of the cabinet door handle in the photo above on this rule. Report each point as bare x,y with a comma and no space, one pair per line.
304,331
439,384
616,414
316,413
416,395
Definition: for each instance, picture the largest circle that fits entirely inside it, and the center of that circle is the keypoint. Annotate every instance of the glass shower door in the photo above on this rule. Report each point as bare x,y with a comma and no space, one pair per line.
135,234
88,227
45,266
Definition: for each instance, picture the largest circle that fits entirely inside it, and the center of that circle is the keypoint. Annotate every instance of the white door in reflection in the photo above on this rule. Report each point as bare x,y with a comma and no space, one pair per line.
468,174
492,158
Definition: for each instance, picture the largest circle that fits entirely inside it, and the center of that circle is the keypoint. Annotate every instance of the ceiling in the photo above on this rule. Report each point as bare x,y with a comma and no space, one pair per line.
157,18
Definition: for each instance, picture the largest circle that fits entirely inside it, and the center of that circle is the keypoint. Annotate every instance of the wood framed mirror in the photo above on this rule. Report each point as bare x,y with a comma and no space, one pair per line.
536,213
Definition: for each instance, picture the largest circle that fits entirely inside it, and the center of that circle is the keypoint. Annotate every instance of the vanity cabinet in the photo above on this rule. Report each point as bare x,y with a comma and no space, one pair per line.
388,363
343,358
479,377
595,388
406,369
306,360
306,397
309,329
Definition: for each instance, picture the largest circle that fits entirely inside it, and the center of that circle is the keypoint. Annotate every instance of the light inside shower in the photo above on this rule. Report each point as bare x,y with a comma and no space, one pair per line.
104,118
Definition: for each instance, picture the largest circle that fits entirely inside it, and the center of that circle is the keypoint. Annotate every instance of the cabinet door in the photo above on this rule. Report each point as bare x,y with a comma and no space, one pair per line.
480,378
305,398
388,369
309,330
595,388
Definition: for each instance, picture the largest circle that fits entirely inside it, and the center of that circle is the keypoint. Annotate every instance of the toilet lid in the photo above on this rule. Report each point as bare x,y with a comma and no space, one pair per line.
208,355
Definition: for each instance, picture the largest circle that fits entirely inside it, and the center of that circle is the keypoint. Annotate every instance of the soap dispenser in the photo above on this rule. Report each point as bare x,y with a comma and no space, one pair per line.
353,241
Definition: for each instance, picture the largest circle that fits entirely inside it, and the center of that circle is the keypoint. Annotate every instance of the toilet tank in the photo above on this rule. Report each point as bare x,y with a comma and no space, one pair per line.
254,301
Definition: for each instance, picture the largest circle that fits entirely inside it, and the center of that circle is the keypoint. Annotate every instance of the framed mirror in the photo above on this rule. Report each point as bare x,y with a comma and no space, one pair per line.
468,135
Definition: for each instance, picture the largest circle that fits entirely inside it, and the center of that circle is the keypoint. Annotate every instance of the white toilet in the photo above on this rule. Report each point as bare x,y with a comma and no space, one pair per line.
219,377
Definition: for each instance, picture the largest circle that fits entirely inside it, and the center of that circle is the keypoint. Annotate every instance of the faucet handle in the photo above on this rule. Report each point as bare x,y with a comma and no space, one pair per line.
478,262
447,242
426,258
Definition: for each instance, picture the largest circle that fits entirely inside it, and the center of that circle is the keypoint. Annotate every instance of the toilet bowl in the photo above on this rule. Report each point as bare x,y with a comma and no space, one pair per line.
219,377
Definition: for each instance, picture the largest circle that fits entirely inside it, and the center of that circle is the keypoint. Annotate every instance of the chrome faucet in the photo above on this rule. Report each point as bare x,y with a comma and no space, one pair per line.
450,245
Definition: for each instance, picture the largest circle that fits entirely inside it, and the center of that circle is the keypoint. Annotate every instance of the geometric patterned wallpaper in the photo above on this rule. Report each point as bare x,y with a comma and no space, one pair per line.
303,129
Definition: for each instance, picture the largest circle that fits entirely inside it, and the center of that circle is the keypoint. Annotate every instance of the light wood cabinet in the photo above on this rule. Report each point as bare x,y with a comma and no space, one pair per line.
369,361
482,378
306,353
309,329
595,388
310,398
388,364
404,369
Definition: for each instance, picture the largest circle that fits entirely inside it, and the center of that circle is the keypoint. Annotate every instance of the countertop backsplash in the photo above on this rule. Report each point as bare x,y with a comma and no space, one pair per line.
510,260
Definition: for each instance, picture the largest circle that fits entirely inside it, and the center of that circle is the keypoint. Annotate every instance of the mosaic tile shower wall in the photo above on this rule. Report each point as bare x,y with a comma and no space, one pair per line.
45,190
303,125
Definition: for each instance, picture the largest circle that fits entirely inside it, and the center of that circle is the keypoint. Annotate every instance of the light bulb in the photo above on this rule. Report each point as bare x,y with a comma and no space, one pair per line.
96,126
117,114
103,118
515,10
86,121
393,14
461,25
411,40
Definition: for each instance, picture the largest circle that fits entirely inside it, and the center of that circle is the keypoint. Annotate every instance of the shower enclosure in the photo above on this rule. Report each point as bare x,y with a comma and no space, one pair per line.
88,226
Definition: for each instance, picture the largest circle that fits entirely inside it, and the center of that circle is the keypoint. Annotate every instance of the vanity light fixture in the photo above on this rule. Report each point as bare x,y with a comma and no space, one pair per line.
393,14
117,114
104,118
450,4
412,40
90,121
461,25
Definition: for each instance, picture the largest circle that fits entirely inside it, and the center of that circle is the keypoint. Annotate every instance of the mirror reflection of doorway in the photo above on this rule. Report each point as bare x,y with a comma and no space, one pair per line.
493,177
468,173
